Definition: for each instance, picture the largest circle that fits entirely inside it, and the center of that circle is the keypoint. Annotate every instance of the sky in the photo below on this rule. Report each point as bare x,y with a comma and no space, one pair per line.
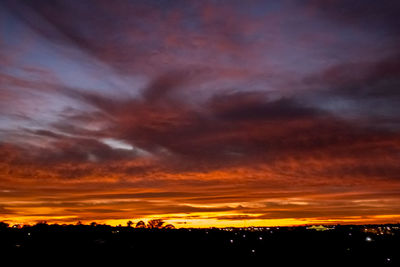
202,113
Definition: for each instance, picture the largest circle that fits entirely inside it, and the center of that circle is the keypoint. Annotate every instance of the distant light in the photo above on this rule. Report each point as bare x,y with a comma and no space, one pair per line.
388,259
349,233
244,235
29,233
231,241
253,250
368,239
260,238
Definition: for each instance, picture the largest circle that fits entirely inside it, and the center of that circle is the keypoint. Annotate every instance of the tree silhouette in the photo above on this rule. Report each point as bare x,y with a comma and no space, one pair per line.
141,224
169,226
129,223
155,224
42,225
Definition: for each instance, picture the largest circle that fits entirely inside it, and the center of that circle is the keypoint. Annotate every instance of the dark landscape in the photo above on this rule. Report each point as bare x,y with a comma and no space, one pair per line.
341,245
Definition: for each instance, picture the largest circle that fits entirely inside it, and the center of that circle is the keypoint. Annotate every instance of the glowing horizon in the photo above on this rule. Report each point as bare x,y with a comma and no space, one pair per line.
209,223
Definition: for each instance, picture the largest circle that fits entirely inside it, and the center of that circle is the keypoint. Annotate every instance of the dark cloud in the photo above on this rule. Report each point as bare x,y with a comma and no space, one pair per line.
229,129
232,125
372,15
45,133
91,27
161,88
362,79
255,105
366,91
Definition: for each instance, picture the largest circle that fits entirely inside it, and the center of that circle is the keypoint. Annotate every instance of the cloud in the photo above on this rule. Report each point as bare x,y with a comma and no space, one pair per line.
208,111
376,16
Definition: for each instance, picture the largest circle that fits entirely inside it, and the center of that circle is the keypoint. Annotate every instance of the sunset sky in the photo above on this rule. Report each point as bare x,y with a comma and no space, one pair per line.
202,113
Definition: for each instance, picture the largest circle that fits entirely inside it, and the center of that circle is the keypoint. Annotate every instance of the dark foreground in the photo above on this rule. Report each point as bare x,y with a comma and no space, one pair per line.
293,246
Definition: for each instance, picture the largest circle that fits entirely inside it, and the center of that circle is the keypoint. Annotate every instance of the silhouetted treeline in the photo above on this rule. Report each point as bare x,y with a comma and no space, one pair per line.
373,245
151,224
